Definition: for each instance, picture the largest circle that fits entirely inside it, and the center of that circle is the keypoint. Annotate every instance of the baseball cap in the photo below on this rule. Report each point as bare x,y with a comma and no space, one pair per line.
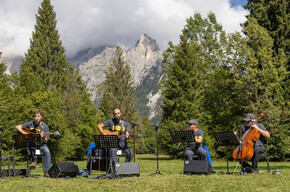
192,121
249,117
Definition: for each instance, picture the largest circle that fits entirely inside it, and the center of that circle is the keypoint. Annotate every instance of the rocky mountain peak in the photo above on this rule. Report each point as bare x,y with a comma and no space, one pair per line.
144,60
145,42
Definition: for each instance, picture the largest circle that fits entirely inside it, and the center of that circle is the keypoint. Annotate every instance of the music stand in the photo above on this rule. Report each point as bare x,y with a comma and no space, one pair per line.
105,142
27,141
182,136
226,139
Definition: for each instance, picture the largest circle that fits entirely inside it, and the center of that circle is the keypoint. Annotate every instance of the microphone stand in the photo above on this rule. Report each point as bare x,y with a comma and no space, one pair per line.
133,126
157,160
1,141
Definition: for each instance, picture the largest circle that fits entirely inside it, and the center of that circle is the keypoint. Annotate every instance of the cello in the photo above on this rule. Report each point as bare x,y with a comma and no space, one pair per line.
248,141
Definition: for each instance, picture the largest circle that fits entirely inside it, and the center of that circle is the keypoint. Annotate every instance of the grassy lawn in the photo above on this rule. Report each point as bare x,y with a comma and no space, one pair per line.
171,180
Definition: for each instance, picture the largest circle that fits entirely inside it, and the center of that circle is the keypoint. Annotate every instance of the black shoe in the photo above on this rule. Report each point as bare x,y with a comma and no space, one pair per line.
254,170
248,169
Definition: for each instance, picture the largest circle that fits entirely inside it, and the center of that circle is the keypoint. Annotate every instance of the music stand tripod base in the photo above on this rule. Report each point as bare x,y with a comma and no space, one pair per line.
27,141
106,142
182,136
226,139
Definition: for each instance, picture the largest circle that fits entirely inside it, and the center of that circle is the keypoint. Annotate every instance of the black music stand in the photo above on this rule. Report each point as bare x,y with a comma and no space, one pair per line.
226,139
105,142
27,141
182,136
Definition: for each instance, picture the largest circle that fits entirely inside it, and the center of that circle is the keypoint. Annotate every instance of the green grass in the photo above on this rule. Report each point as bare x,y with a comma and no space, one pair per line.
171,180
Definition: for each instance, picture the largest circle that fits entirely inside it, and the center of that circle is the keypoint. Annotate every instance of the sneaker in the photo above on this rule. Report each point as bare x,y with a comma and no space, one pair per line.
33,164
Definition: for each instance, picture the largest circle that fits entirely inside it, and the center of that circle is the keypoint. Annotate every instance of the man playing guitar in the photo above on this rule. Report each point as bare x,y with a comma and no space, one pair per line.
122,127
38,126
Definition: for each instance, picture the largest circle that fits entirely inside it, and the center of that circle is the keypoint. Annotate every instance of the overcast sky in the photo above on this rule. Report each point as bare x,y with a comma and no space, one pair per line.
91,23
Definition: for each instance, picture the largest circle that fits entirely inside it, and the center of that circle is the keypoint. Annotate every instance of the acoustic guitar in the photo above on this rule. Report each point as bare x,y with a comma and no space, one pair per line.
38,131
108,132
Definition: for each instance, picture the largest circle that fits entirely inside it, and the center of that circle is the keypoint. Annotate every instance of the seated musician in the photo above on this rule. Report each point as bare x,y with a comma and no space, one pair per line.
38,126
250,122
195,148
122,127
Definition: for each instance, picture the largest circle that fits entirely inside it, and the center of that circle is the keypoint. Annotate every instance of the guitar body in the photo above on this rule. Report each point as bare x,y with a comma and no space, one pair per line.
108,132
37,131
30,131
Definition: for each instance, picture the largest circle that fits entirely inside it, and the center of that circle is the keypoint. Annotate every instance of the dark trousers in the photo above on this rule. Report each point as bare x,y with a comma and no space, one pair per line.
255,159
126,149
189,153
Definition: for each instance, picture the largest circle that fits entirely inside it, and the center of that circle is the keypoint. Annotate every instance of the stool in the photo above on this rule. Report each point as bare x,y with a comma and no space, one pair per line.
39,154
96,162
90,161
120,154
9,158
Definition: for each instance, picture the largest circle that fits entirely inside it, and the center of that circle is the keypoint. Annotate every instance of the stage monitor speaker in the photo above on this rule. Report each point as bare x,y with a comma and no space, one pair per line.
18,172
63,169
197,167
128,169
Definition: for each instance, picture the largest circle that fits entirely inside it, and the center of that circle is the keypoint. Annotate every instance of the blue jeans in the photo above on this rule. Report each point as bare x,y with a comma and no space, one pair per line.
47,156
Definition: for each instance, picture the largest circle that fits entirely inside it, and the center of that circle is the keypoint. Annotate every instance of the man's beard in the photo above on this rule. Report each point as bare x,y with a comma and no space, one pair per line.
118,117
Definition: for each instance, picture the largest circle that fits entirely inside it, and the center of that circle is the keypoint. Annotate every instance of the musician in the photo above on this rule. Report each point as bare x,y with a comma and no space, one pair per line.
117,124
195,148
250,122
38,126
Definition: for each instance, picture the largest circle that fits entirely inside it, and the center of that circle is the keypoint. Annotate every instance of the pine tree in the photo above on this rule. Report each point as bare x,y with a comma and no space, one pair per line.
263,82
273,15
218,109
119,89
182,88
6,98
45,63
48,82
5,89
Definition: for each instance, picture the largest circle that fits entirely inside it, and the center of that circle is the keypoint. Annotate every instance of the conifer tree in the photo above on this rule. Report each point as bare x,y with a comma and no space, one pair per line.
45,63
182,88
273,15
263,82
216,103
6,98
49,83
119,89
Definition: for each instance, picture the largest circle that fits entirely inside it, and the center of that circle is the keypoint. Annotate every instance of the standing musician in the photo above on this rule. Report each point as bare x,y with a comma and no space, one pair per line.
38,126
197,146
122,127
250,122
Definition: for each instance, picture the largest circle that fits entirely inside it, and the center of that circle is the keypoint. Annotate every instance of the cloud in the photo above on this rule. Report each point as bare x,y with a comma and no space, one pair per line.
88,23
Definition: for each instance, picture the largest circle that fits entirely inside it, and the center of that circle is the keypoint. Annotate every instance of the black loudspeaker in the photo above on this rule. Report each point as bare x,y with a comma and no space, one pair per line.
128,169
196,167
63,169
18,172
